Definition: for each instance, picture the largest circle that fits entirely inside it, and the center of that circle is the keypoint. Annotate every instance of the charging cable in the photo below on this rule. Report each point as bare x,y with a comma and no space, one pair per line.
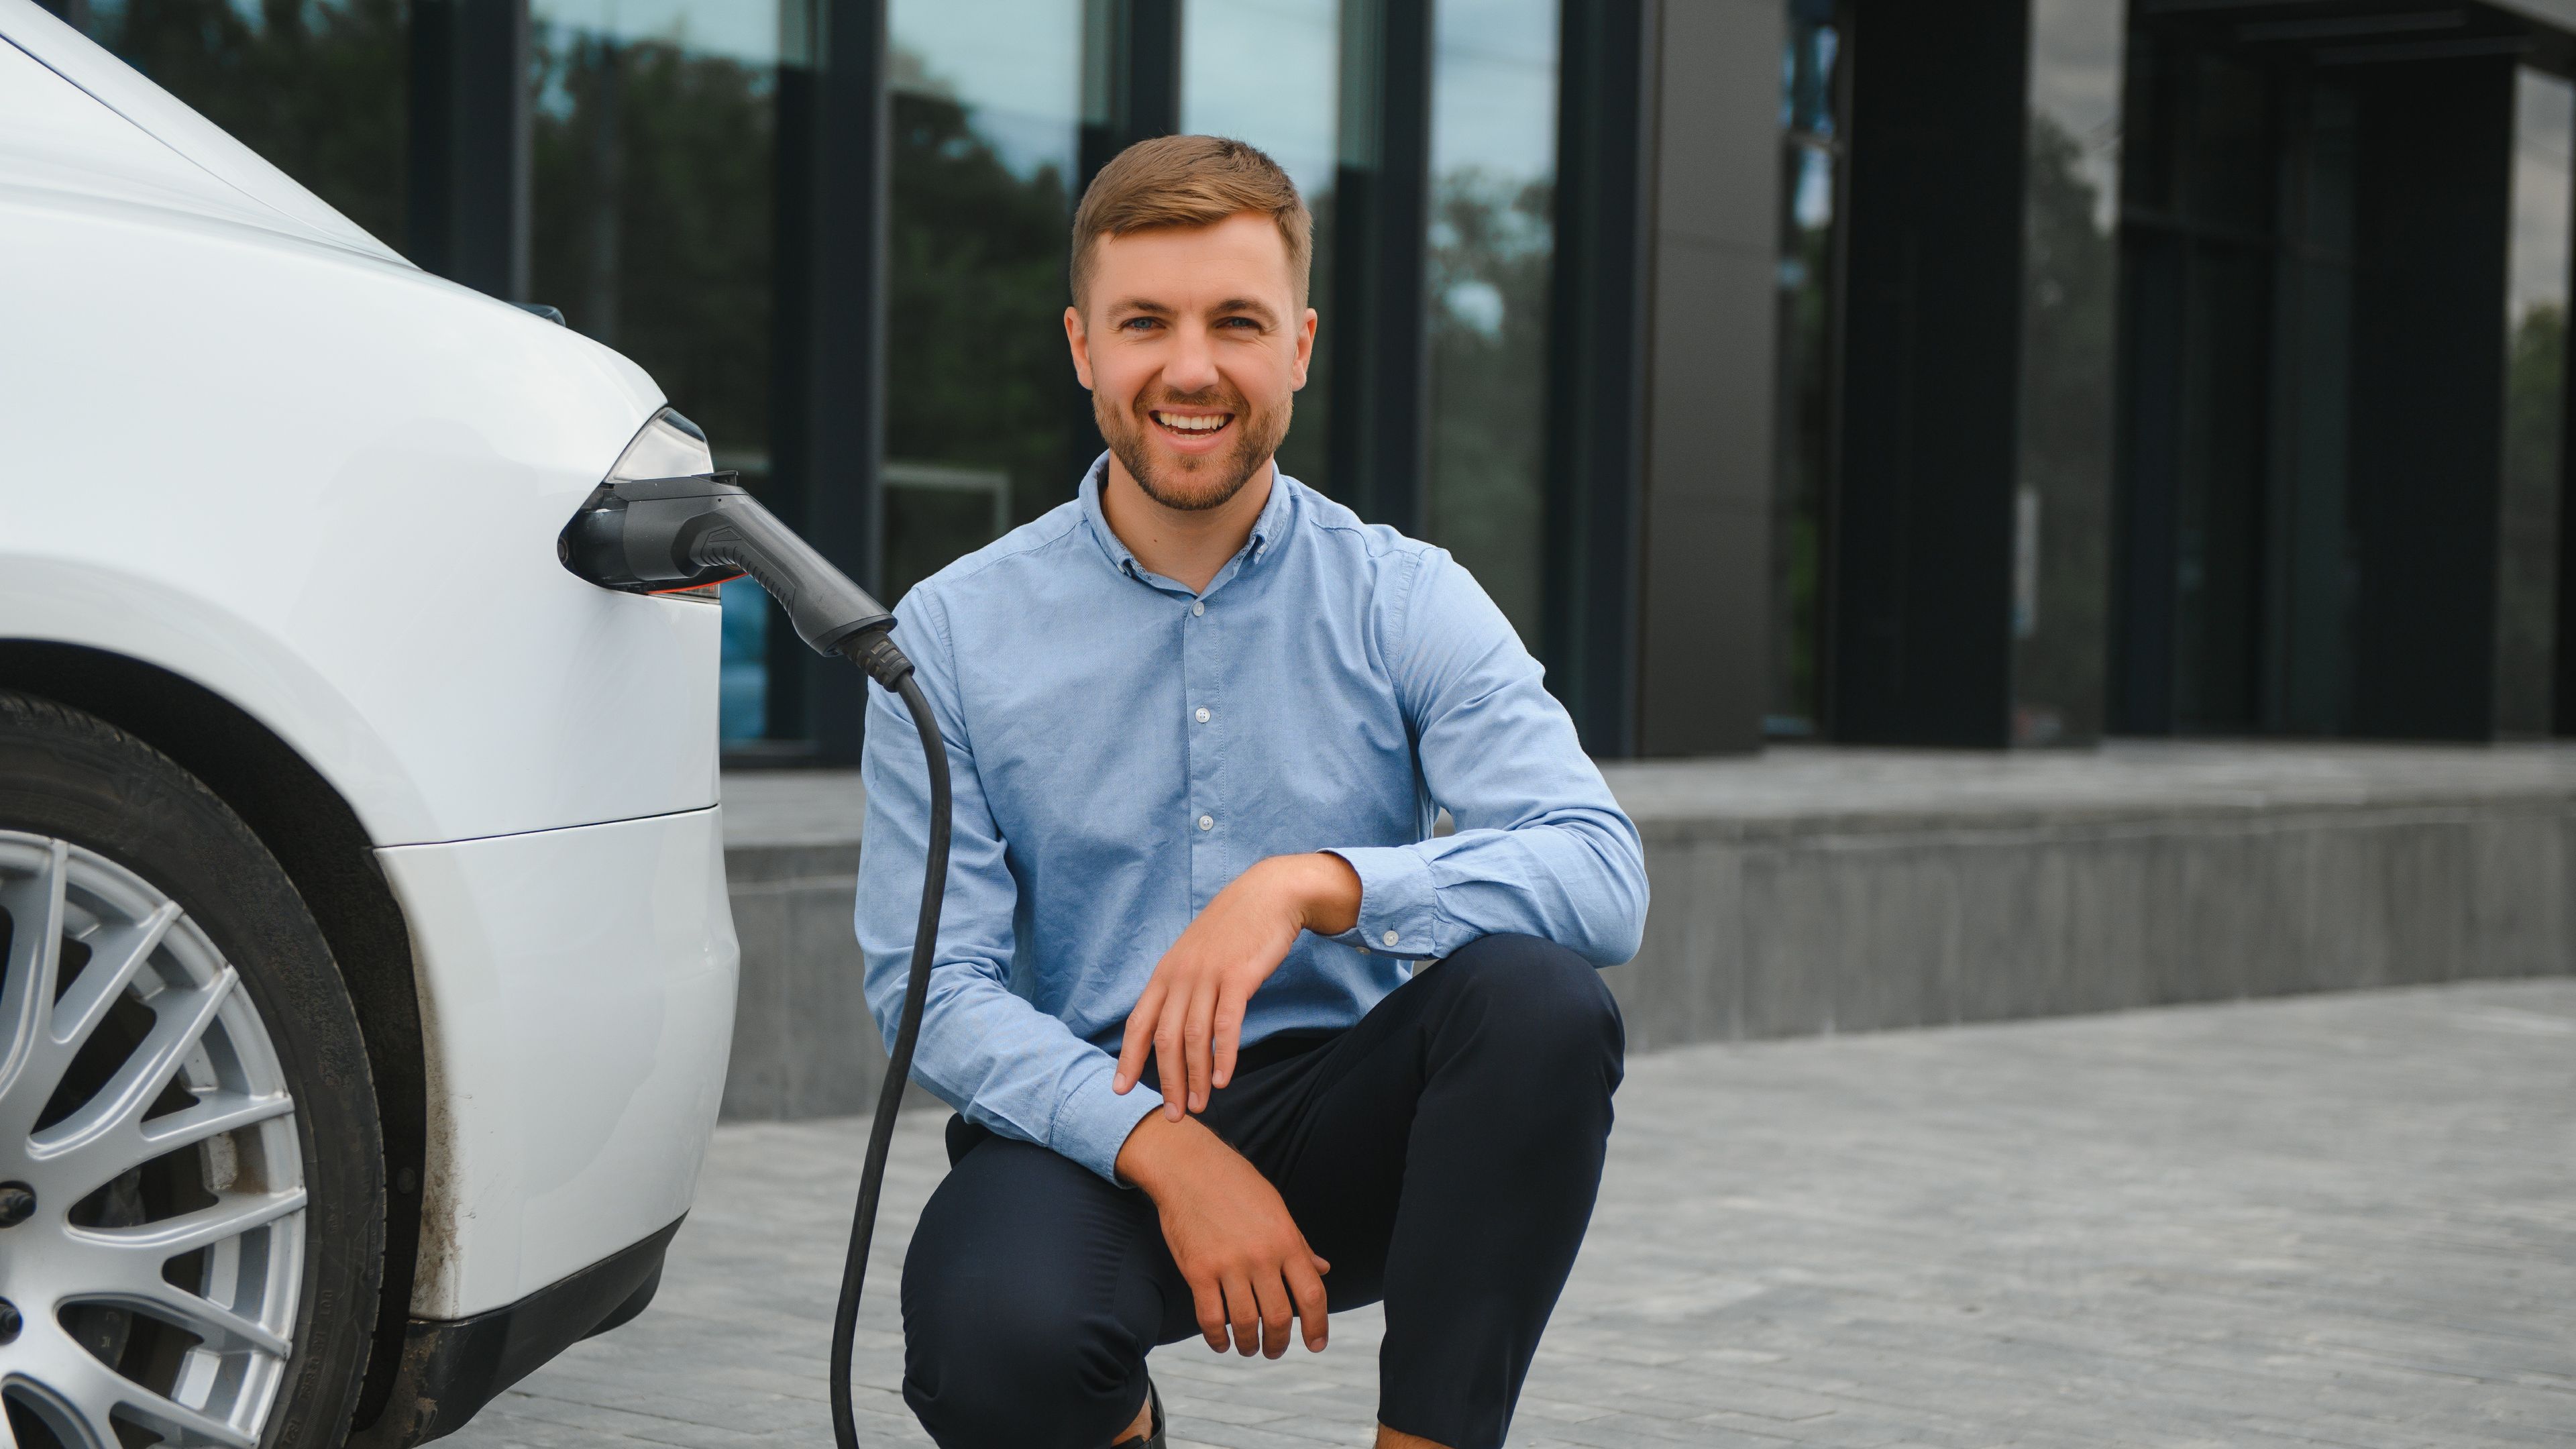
660,535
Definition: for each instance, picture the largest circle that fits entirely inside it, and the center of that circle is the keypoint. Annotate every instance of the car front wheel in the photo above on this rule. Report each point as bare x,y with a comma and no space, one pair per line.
191,1174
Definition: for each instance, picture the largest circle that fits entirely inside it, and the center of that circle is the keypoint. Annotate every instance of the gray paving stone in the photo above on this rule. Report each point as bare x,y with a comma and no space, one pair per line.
2329,1221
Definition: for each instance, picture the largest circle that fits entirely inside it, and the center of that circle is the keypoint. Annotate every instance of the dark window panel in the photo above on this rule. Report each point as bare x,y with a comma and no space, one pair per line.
1492,260
986,139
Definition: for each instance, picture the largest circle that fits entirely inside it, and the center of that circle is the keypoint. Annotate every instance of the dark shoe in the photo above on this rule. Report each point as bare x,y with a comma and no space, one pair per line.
1154,1435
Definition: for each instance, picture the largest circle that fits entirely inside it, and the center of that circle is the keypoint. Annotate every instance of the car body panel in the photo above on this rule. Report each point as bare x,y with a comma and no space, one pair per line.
354,464
204,146
243,442
577,1033
51,142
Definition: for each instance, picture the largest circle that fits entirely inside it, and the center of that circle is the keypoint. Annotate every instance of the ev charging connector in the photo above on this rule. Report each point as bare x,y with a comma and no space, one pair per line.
663,535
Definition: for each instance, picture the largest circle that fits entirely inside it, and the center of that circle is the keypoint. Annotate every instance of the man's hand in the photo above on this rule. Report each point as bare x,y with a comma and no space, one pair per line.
1248,1266
1191,1013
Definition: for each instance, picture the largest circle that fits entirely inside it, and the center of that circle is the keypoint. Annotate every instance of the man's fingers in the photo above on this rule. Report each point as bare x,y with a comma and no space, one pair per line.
1196,1016
1140,1037
1167,1057
1312,1309
1211,1308
1245,1310
1228,1034
1277,1310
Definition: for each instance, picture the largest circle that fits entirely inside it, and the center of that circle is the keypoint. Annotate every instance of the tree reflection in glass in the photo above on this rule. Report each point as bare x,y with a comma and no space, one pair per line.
654,133
2535,409
314,86
981,406
1492,244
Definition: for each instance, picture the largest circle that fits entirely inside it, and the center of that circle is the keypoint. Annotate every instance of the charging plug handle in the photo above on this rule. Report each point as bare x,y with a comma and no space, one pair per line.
656,535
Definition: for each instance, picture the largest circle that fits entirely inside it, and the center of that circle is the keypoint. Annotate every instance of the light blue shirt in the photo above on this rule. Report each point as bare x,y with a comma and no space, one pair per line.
1123,748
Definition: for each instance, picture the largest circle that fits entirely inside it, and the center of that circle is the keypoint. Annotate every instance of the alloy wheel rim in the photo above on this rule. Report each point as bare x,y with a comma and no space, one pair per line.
158,1271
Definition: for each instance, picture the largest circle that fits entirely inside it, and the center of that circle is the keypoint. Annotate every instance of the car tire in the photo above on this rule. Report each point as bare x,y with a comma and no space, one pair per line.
126,843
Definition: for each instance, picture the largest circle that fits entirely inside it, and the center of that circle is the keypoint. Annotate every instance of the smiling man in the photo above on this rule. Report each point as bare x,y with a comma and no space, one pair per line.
1234,1040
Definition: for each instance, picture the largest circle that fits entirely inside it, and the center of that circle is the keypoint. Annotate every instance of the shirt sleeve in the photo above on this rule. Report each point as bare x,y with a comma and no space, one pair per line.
984,1050
1542,848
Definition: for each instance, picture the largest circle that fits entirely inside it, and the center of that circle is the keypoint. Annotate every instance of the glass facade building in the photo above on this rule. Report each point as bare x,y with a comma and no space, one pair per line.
2002,372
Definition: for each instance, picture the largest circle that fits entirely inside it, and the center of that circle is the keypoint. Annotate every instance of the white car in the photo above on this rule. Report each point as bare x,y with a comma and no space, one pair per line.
369,977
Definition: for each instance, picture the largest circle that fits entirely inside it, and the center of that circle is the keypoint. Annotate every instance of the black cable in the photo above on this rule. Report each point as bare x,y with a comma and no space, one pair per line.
925,945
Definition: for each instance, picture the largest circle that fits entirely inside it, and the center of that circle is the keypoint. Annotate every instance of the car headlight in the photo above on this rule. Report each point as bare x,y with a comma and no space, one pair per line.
669,446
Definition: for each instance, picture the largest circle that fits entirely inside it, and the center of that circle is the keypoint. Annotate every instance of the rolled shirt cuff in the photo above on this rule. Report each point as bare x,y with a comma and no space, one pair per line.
1399,912
1093,1122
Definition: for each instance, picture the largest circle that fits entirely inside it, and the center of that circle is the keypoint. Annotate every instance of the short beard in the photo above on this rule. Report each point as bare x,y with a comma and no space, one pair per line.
1201,483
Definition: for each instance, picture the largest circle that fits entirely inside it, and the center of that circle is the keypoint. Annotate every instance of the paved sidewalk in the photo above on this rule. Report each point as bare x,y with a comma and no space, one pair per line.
2340,1220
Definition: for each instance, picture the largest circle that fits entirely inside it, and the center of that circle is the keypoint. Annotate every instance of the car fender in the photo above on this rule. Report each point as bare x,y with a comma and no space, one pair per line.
367,467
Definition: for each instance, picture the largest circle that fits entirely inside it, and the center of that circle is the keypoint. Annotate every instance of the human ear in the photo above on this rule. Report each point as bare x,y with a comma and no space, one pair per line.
1306,326
1079,343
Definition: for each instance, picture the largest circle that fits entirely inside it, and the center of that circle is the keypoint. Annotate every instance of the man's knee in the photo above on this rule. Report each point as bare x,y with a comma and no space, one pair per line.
1008,1339
1534,995
990,1364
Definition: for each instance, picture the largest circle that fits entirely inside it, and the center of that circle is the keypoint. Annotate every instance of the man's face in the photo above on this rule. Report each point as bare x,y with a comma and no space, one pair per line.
1193,346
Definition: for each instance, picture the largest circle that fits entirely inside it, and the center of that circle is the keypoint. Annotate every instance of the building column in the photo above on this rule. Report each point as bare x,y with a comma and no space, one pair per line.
1709,362
2435,210
1131,80
1597,326
1919,570
467,192
828,423
1380,448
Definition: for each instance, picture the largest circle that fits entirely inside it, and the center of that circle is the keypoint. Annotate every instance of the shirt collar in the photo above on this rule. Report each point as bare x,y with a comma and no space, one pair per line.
1101,533
1267,530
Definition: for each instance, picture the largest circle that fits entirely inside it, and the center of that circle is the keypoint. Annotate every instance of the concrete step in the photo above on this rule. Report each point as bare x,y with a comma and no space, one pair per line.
1818,889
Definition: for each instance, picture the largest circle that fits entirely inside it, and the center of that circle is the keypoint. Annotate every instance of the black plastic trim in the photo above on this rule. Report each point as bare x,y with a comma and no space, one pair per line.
451,1368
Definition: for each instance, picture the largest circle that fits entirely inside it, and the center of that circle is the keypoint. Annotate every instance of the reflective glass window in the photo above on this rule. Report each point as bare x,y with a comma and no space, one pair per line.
314,86
654,135
1811,107
2200,260
1269,72
2535,402
1492,247
2070,300
985,426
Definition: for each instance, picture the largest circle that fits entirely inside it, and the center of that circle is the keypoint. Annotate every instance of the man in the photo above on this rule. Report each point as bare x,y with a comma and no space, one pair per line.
1233,1042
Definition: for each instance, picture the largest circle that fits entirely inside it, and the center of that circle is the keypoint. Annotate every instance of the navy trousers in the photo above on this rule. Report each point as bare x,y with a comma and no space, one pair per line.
1442,1155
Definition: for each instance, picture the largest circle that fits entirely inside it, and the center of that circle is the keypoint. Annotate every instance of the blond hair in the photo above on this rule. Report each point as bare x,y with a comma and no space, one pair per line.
1189,181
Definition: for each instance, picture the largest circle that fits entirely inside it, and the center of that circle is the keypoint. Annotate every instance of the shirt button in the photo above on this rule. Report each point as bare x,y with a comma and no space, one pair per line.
1208,822
1203,714
1390,938
1198,606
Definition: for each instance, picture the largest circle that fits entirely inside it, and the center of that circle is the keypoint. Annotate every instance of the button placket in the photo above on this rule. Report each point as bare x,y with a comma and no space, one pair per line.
1199,675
